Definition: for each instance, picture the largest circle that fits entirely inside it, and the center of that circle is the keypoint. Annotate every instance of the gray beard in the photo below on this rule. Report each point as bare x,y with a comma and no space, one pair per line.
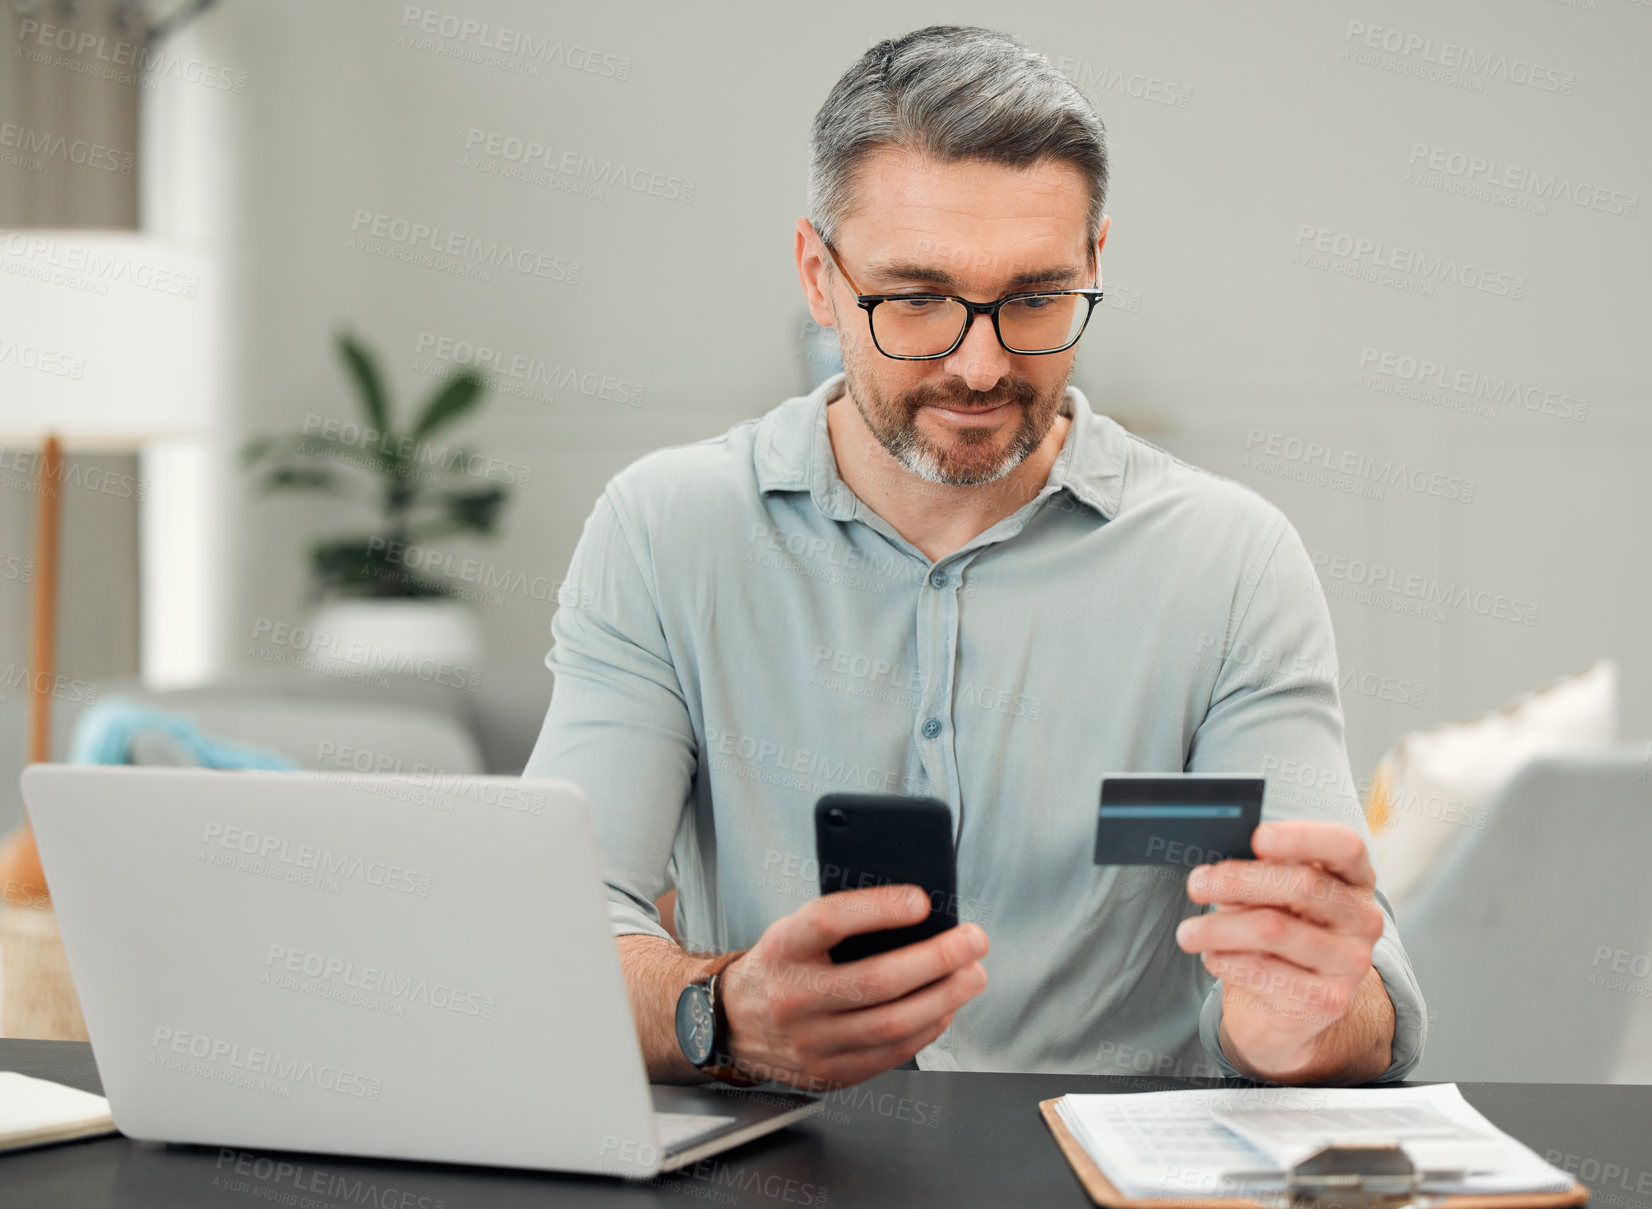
918,455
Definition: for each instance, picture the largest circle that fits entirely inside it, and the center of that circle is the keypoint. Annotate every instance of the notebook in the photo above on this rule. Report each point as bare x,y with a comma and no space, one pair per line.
34,1112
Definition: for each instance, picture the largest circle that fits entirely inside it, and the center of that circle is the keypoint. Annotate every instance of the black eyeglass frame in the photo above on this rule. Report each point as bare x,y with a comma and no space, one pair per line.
971,309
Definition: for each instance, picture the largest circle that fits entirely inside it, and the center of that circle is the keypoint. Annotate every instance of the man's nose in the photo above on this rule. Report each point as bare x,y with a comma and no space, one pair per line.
980,360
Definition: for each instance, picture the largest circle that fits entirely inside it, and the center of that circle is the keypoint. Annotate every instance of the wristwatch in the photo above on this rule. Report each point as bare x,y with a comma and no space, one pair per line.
702,1025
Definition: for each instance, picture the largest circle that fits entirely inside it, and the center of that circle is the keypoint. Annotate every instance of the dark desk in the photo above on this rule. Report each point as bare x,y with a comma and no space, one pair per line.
907,1138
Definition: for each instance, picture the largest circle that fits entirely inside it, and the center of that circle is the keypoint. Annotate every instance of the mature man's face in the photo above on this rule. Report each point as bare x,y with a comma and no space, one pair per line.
980,231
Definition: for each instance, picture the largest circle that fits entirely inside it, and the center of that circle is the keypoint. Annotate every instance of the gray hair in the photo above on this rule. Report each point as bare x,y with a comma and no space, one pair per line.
952,93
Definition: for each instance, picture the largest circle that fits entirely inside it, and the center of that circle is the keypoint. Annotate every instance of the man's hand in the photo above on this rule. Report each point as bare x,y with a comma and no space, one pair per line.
1291,940
796,1017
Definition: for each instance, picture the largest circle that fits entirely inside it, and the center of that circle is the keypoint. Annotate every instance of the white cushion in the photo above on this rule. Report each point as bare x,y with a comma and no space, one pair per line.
1436,787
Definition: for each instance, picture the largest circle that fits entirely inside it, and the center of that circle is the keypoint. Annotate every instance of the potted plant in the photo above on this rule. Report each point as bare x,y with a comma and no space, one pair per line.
371,594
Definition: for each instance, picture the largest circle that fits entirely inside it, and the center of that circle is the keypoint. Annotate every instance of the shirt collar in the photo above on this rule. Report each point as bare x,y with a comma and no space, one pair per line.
794,453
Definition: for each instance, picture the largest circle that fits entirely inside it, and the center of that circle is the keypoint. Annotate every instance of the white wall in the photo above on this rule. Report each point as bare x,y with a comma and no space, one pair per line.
1275,125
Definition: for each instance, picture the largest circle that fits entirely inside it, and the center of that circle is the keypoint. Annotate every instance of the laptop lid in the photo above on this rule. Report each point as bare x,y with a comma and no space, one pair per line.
404,967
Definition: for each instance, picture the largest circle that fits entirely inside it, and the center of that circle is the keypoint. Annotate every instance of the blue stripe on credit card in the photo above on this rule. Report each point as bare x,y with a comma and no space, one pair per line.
1170,812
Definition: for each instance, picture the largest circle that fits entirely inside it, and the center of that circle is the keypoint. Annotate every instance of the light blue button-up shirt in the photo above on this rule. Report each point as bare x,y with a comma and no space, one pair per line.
738,634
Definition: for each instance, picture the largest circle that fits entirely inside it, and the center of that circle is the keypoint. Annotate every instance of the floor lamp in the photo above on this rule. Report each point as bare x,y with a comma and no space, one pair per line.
112,344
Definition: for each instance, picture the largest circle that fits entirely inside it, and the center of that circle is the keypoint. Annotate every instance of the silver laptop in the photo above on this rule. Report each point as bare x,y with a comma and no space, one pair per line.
409,967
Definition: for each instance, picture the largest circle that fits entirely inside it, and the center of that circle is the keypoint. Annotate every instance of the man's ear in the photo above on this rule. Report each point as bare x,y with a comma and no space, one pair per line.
814,271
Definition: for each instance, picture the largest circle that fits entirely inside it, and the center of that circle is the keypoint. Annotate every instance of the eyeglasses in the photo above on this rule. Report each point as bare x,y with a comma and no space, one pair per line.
927,327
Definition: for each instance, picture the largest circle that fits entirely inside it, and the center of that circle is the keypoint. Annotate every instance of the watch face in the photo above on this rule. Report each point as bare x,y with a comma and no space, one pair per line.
695,1024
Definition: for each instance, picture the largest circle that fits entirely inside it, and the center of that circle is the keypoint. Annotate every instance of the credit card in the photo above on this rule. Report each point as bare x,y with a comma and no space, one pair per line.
1182,821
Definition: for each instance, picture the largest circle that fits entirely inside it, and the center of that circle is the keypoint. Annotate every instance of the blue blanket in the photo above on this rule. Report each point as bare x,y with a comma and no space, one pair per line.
103,735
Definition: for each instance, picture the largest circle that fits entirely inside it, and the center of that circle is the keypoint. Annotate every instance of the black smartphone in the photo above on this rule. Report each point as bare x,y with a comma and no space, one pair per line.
882,839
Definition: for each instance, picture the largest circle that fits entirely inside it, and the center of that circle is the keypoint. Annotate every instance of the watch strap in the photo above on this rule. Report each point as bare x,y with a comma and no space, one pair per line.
720,963
719,1067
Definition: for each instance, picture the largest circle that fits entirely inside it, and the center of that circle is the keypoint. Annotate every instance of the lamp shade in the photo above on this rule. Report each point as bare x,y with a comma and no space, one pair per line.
107,338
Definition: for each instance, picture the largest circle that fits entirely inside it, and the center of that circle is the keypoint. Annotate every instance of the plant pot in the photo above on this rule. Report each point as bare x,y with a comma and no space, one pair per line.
429,637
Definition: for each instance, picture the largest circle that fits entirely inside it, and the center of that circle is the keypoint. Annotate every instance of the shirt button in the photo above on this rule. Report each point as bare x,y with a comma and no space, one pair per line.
932,728
937,579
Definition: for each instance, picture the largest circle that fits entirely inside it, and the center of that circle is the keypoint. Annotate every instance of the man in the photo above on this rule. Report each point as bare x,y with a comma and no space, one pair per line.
942,573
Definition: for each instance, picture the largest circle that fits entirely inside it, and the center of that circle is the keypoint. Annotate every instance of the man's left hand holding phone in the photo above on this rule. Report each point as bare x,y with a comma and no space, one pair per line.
800,1014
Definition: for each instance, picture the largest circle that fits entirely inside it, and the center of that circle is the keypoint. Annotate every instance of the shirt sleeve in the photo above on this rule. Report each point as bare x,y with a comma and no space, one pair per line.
1274,708
618,725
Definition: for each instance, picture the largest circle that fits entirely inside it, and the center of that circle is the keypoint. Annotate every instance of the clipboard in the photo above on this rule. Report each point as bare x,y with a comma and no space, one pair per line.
1103,1192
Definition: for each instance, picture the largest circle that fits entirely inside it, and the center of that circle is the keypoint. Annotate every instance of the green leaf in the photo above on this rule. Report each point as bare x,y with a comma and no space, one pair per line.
365,373
475,510
362,567
461,392
300,478
255,450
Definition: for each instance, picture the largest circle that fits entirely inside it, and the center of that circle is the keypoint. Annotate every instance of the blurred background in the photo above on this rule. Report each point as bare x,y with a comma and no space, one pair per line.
1386,263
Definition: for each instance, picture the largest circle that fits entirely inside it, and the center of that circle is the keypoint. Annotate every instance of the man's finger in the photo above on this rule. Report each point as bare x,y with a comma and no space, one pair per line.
886,976
818,925
1283,988
1305,890
859,1065
1335,846
893,1023
1276,933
